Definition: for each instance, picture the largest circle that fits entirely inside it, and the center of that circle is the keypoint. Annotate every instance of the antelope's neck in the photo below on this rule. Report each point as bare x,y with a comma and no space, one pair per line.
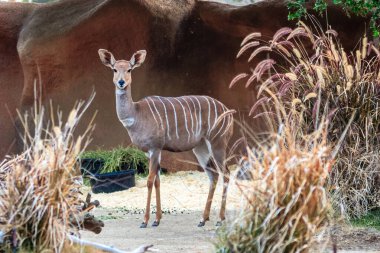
125,107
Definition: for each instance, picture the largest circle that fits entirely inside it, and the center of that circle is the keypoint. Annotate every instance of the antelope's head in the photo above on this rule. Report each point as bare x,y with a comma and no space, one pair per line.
122,69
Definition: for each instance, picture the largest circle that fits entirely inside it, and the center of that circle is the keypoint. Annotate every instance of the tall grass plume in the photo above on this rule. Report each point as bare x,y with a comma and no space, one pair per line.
315,78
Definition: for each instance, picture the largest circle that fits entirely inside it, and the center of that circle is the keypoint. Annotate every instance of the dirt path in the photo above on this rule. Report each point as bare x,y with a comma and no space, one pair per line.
176,233
181,190
183,198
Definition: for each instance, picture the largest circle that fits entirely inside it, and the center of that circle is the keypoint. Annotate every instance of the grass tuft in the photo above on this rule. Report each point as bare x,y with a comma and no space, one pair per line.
370,220
40,188
286,202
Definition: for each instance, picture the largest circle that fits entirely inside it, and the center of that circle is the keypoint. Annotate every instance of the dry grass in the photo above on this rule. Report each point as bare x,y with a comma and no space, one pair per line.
319,79
286,200
39,191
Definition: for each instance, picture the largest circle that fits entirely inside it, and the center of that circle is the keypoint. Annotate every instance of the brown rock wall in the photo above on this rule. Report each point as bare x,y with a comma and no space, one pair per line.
191,49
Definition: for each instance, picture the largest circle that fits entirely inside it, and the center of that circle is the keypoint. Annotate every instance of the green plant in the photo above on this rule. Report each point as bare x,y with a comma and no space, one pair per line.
114,159
318,80
372,220
297,10
86,181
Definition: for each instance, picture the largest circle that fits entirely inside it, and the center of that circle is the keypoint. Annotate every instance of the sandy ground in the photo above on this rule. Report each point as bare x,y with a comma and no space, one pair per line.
181,190
176,233
183,197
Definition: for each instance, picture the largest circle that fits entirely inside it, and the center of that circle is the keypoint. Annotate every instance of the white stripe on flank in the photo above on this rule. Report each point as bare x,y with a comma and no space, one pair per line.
166,116
190,112
151,110
200,116
216,114
158,113
209,115
221,128
175,117
224,119
230,122
184,115
195,113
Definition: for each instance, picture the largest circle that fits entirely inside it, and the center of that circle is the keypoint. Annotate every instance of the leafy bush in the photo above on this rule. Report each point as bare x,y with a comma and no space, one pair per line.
286,202
114,159
358,7
320,80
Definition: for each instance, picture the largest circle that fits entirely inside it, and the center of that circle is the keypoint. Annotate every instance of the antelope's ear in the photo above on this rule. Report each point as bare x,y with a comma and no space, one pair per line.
137,58
106,57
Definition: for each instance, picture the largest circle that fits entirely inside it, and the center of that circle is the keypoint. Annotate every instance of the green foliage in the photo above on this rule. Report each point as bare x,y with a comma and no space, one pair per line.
297,10
86,182
372,219
320,5
113,159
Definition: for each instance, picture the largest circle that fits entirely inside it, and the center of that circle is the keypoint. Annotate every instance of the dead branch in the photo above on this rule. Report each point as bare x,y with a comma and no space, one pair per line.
99,246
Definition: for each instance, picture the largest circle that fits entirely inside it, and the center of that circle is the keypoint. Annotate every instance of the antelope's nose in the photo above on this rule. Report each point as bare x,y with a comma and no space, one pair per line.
121,82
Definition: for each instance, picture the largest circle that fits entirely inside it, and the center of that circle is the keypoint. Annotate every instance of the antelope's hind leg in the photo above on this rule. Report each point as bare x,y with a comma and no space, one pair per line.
219,160
203,155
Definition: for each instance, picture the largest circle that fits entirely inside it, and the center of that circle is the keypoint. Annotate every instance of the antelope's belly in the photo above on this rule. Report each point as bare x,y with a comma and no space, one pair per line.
147,139
181,144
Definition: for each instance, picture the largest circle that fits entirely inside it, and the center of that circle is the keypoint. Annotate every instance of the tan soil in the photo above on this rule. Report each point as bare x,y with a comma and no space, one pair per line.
181,190
183,197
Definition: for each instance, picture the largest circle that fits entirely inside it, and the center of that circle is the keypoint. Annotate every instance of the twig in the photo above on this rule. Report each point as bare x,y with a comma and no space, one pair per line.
1,236
82,242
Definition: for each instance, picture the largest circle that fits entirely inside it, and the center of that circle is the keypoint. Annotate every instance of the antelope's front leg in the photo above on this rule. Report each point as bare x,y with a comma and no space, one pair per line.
153,170
158,199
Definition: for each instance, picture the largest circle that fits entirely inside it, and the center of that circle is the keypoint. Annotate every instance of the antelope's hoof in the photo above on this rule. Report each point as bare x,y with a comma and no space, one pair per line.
155,223
143,225
201,223
219,223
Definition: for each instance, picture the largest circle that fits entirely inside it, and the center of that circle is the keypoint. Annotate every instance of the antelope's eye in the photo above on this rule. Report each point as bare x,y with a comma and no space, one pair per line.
129,70
114,70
